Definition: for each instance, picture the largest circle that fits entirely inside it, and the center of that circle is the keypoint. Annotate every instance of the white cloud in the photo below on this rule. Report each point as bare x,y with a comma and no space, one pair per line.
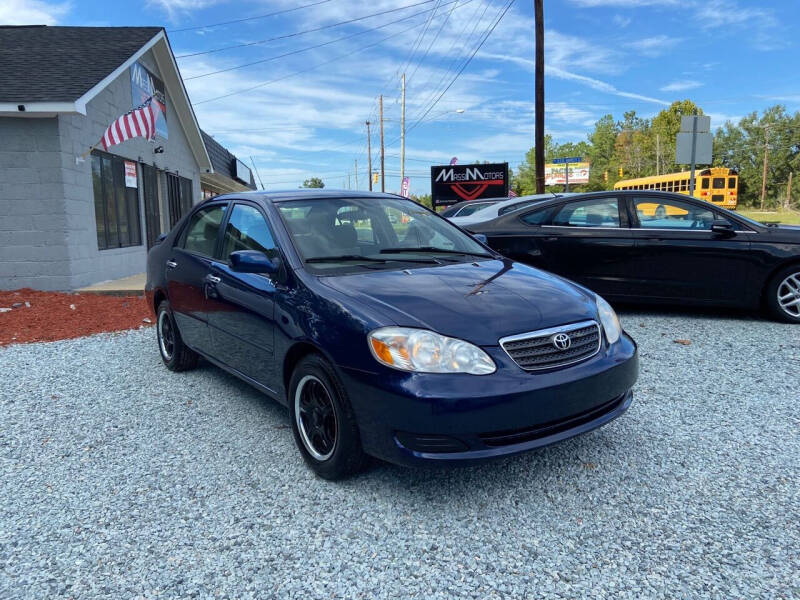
624,3
621,21
653,46
680,86
32,12
178,8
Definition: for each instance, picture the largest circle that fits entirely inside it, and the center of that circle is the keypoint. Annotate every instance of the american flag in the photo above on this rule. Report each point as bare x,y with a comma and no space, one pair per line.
140,122
512,194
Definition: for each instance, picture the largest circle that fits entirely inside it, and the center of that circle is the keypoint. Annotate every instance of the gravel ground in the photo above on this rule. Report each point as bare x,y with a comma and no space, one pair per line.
122,480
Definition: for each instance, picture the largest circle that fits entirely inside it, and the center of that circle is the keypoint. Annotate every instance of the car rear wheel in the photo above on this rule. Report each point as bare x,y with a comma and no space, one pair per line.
323,422
175,354
783,294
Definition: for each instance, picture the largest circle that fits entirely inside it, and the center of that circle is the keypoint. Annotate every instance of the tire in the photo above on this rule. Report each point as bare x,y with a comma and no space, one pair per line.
323,422
175,354
782,294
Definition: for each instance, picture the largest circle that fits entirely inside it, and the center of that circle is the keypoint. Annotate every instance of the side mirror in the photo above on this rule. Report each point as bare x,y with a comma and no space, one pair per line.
253,261
481,238
722,227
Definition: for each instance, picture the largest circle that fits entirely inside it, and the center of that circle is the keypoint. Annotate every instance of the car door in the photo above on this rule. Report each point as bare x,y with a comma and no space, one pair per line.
188,265
587,240
679,257
242,322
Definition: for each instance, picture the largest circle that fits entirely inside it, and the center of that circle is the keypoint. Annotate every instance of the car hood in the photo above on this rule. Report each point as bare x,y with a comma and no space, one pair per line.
479,302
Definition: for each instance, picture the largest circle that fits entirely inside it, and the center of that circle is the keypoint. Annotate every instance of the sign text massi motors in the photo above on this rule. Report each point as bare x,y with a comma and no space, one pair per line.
456,183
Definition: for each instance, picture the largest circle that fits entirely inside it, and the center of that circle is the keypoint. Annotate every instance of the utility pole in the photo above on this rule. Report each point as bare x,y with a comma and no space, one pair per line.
538,10
356,173
766,162
348,181
383,174
789,192
369,158
403,129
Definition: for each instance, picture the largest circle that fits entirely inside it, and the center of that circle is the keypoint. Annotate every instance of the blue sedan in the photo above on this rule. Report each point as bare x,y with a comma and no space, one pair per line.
385,329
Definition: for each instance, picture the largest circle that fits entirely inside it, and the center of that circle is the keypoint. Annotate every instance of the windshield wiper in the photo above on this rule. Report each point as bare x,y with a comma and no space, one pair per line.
358,257
433,249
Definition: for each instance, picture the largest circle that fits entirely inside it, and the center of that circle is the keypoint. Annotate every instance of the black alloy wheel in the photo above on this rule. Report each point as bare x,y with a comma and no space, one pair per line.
175,354
323,422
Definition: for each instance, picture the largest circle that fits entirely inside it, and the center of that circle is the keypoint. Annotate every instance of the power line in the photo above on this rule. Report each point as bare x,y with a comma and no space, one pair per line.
433,40
297,33
463,67
313,67
346,37
272,14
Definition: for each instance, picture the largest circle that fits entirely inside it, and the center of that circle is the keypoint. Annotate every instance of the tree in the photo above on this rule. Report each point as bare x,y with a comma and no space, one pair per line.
741,147
601,154
665,127
313,182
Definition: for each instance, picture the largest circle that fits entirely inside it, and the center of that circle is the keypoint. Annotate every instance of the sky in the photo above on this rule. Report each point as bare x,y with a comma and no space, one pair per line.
298,104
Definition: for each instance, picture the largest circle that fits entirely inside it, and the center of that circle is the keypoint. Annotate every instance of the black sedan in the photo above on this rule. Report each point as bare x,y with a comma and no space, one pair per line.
634,246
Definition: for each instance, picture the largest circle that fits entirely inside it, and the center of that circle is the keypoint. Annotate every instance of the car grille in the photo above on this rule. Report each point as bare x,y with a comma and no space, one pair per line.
537,350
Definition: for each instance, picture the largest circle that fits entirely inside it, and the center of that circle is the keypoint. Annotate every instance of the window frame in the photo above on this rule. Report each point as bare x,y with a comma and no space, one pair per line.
117,163
635,224
180,240
622,212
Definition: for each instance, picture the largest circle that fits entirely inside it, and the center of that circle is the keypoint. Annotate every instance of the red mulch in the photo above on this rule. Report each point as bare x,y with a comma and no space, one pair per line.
58,316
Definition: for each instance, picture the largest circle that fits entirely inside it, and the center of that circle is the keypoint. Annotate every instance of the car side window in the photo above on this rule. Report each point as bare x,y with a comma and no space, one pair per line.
202,230
597,212
536,217
247,230
665,213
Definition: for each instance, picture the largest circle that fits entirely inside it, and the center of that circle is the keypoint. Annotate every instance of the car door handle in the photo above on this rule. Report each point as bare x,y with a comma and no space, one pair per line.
171,264
213,279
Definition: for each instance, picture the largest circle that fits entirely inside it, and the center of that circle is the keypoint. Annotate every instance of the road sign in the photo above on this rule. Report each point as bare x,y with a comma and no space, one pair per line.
703,148
703,123
694,144
571,159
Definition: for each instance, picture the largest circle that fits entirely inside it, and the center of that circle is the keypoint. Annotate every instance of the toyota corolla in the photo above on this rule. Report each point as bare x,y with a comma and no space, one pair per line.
385,329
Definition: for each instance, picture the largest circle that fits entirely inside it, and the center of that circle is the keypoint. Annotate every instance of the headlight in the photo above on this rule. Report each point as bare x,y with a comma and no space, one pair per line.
609,320
425,351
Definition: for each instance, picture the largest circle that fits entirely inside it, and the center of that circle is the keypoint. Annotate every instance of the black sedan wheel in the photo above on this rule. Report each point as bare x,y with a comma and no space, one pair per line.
783,294
175,354
323,422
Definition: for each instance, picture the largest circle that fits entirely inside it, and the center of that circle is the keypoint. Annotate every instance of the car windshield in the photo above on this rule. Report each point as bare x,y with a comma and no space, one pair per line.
354,234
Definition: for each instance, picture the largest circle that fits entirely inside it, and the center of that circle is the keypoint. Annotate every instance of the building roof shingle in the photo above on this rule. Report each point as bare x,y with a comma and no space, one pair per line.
60,64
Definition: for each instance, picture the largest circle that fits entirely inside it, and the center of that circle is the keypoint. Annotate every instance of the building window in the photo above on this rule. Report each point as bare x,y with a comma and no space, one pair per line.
116,206
179,194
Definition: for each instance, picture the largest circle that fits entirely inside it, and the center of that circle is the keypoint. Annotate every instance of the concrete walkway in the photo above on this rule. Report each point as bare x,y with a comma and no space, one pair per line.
127,286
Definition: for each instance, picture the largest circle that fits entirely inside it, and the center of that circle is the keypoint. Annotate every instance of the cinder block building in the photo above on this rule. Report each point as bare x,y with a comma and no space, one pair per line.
70,217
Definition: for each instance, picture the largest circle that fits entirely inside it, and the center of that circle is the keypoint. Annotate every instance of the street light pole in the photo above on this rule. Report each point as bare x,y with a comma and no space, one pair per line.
403,130
383,173
369,158
538,10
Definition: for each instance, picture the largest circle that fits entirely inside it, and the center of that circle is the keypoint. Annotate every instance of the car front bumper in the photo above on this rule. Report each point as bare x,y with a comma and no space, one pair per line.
411,419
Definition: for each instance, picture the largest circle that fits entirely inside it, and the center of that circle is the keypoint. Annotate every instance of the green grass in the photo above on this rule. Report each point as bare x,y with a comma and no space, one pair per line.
787,217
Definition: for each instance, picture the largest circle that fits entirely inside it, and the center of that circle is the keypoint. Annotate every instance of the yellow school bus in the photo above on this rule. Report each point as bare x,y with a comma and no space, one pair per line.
718,185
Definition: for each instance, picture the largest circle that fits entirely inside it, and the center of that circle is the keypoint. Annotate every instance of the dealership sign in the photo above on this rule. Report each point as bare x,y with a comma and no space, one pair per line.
145,85
555,173
456,183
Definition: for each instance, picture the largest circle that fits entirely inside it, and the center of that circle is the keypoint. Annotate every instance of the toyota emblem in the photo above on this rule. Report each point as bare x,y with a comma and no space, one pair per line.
561,341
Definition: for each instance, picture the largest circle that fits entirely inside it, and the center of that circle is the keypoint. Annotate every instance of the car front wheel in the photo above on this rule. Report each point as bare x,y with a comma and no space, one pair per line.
323,422
175,354
783,294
